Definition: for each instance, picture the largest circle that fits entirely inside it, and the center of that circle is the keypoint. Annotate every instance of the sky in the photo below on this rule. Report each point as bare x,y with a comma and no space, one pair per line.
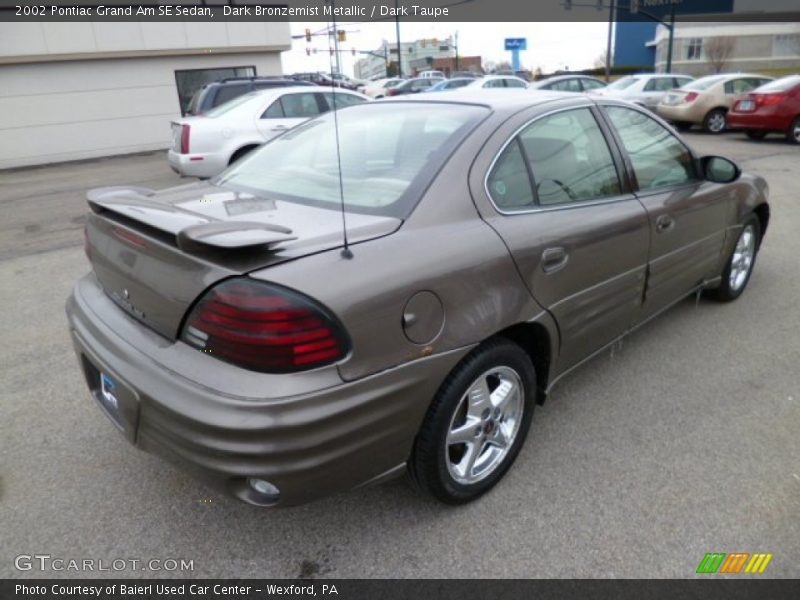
551,46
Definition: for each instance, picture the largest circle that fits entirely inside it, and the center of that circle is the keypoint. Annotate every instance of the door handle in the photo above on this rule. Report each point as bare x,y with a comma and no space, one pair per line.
554,259
280,128
664,223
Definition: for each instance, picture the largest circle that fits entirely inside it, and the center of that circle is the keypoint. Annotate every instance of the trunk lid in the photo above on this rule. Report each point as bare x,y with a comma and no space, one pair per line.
155,253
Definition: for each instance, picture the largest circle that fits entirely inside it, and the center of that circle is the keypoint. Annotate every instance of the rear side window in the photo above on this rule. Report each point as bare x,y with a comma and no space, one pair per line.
567,85
591,84
739,86
229,92
514,83
659,84
300,106
341,100
659,159
568,158
274,111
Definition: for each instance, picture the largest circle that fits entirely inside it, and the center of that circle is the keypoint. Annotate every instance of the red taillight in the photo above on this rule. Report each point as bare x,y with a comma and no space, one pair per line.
185,139
769,99
691,97
391,92
264,327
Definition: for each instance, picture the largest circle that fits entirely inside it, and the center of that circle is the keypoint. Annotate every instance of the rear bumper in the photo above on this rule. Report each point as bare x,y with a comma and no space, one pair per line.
762,122
315,436
196,165
680,113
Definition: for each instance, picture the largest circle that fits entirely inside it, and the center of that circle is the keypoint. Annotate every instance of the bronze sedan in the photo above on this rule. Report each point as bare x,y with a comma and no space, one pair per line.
494,242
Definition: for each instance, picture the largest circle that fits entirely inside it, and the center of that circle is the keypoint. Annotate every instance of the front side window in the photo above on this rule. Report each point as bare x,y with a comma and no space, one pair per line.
591,84
568,158
567,85
659,159
339,100
659,84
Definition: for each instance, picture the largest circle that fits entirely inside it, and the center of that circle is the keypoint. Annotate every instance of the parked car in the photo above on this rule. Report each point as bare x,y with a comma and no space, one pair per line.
706,101
204,146
213,94
228,327
377,89
645,90
472,74
432,73
498,81
324,79
412,86
452,84
771,108
568,83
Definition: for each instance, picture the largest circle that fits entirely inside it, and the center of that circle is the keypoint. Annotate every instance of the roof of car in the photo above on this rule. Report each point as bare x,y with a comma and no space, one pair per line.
502,100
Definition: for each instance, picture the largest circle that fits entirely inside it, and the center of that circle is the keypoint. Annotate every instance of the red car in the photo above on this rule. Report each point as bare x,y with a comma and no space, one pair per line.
773,107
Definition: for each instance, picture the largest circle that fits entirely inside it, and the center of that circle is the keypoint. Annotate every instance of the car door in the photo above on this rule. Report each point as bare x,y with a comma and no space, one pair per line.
288,110
578,237
687,215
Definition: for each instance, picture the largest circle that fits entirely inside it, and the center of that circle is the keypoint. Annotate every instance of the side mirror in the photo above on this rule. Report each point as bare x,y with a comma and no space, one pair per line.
719,169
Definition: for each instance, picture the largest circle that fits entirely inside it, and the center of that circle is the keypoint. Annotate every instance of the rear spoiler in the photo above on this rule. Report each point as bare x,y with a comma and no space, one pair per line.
191,231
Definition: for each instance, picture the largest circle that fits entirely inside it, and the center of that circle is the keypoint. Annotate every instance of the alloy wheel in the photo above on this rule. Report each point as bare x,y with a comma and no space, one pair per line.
485,425
743,256
716,122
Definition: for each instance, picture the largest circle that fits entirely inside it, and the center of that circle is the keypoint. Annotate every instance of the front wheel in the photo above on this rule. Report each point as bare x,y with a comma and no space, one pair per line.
476,424
740,265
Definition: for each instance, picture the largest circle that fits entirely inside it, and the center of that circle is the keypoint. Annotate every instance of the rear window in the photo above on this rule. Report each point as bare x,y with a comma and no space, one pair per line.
228,92
623,83
703,83
228,106
780,85
389,152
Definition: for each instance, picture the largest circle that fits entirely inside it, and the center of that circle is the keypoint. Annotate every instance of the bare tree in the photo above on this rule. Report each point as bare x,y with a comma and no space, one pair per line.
600,61
719,50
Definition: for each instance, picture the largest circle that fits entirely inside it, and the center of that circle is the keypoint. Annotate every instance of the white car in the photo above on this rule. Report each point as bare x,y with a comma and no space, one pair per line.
204,146
498,81
377,89
432,73
645,90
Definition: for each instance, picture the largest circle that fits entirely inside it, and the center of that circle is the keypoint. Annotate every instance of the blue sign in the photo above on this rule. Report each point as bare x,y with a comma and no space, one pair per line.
516,43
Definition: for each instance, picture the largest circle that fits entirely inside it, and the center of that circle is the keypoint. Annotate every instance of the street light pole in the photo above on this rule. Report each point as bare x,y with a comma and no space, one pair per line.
608,43
397,28
671,38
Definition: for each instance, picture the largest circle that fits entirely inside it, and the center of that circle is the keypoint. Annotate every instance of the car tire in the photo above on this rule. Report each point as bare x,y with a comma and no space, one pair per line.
793,133
755,134
715,121
488,401
683,125
740,265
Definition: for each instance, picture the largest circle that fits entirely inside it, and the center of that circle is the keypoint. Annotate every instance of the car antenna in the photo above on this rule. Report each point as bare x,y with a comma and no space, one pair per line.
346,252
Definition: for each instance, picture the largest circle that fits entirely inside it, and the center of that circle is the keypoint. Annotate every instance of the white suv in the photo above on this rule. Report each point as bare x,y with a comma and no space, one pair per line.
646,89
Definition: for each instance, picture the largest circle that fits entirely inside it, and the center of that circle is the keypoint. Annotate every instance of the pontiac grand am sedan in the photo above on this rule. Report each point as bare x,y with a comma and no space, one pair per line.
494,241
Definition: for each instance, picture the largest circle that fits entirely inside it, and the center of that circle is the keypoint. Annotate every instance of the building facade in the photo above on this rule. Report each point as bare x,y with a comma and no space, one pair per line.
81,90
415,56
705,48
632,44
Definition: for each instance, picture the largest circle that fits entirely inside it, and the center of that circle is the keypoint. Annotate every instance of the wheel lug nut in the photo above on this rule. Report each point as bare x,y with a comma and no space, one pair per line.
478,431
486,414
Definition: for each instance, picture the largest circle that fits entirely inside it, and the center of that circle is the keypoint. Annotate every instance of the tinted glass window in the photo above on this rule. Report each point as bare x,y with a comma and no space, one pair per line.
342,100
659,158
739,86
191,80
703,83
660,84
681,81
623,83
451,85
300,106
274,111
229,92
509,184
781,85
513,83
570,159
567,85
591,84
387,153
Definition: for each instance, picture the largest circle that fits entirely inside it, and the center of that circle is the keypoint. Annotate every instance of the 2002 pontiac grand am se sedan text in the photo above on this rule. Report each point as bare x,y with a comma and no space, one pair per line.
496,240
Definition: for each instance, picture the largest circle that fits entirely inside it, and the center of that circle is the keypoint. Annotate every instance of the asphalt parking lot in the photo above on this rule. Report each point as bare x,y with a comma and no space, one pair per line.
684,439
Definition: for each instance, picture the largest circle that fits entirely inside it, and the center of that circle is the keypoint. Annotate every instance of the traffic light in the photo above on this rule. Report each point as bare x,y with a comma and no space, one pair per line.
342,34
308,35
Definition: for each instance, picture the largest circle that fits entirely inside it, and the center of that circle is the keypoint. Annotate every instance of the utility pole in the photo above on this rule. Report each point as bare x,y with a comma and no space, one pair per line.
608,43
399,52
456,46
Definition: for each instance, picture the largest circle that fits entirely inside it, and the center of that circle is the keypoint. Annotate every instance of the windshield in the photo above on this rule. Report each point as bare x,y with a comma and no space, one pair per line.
389,151
780,85
704,83
621,84
231,104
